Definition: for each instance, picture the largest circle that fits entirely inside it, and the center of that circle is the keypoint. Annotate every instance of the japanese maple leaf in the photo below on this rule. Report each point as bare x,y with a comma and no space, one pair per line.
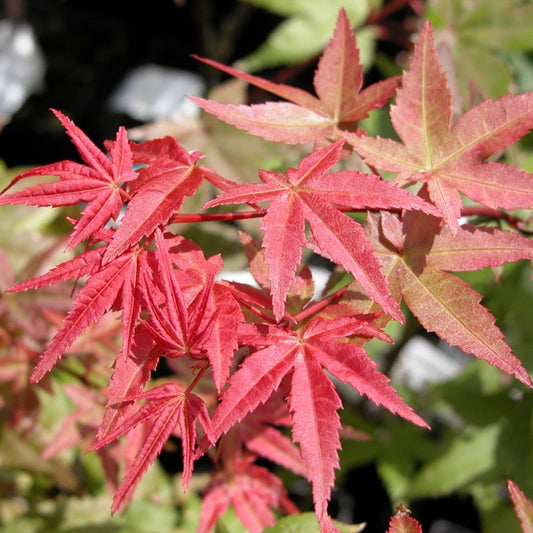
250,489
451,158
306,194
302,355
522,506
202,323
98,183
401,522
268,442
130,376
169,407
221,309
302,288
168,175
304,118
258,433
117,284
417,256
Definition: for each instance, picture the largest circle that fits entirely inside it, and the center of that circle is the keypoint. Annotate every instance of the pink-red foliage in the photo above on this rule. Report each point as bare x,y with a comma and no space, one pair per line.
250,360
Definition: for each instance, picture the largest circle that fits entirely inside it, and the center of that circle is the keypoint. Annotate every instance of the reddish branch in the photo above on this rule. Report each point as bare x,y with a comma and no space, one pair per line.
471,211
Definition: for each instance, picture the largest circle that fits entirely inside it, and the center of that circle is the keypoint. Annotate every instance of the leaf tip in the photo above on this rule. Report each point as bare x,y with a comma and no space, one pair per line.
523,376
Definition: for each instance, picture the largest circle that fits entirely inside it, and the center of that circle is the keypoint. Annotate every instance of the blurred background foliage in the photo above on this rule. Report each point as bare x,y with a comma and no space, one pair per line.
482,421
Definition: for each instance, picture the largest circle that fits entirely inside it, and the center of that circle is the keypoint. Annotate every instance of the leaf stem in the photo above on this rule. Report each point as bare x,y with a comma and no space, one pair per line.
197,378
388,9
317,306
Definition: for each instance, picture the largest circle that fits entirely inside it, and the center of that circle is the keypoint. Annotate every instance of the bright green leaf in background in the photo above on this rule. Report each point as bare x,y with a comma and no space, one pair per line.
472,36
306,30
307,523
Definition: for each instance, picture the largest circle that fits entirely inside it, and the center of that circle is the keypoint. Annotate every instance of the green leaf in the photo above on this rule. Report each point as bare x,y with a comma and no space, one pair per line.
23,453
306,31
307,523
495,515
476,33
91,514
468,457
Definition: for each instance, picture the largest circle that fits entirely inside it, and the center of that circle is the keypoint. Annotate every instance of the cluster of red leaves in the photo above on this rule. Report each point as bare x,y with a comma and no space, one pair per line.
173,307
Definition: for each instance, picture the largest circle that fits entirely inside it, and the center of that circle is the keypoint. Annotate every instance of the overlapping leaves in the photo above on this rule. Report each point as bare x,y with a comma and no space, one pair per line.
299,355
451,158
310,194
340,103
418,255
173,307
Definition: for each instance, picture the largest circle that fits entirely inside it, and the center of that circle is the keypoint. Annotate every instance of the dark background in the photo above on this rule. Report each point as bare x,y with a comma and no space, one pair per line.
90,45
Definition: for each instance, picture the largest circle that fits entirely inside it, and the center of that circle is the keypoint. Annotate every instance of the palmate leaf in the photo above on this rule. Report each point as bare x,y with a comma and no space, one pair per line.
306,194
201,317
169,406
251,490
303,355
442,302
130,375
116,285
401,522
98,183
305,118
451,158
169,176
117,281
259,434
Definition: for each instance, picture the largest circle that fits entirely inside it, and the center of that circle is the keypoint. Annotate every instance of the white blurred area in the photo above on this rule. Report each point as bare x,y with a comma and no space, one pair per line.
22,67
152,92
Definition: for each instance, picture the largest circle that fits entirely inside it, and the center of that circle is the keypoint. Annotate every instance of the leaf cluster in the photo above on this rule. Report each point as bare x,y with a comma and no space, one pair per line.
251,360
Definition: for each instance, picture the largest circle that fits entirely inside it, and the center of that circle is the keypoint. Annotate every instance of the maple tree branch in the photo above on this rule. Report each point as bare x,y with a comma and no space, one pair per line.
215,217
388,9
482,211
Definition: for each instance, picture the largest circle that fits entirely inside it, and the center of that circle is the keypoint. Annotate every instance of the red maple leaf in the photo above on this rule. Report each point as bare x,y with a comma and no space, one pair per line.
130,375
99,183
306,194
196,317
301,355
417,255
114,285
340,103
259,434
169,408
401,522
301,289
250,489
451,158
169,174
